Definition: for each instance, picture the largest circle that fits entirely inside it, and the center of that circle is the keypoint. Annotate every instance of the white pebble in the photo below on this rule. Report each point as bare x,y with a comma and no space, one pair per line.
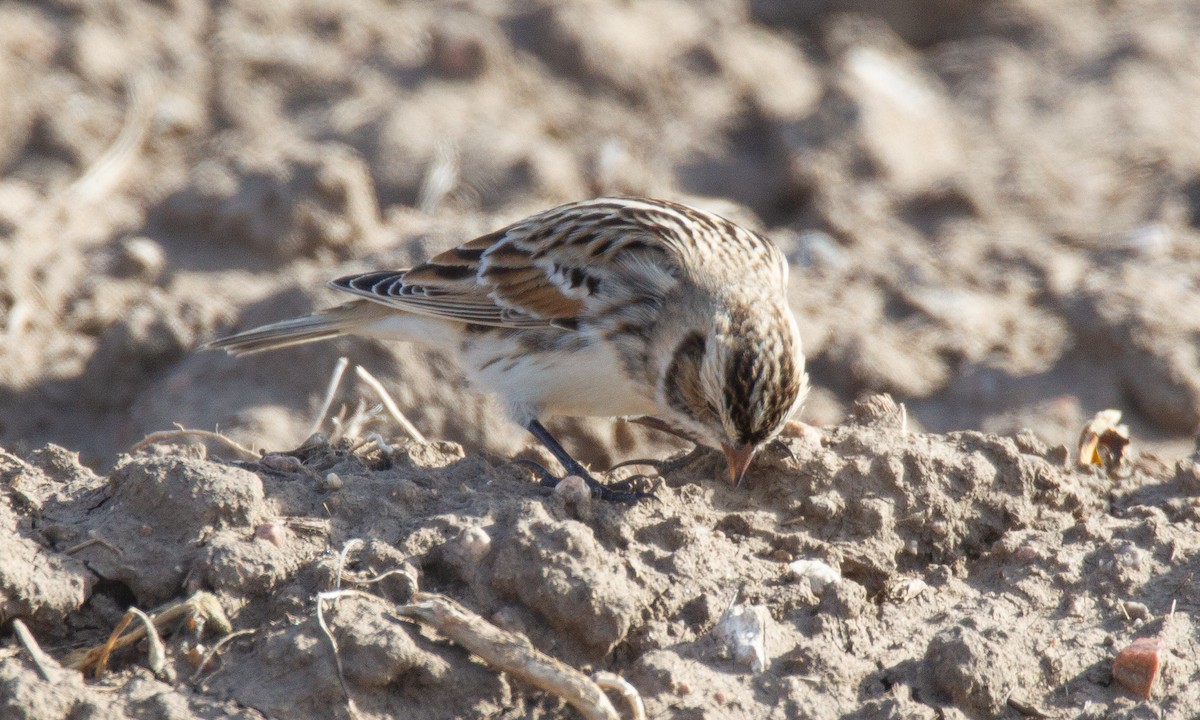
818,574
743,629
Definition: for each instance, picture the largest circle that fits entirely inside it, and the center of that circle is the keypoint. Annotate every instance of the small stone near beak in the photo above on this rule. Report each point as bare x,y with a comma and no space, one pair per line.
738,457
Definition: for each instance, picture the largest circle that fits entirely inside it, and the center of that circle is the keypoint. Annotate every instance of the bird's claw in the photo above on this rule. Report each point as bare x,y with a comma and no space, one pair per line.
599,490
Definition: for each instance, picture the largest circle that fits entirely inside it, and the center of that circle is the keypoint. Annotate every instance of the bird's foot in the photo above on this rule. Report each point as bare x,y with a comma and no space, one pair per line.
599,490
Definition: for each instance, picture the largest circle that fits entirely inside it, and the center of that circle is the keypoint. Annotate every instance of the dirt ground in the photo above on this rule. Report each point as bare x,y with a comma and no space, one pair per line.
993,214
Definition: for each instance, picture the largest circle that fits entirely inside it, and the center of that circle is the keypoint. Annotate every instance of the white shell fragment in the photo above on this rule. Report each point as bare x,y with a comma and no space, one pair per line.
817,574
743,629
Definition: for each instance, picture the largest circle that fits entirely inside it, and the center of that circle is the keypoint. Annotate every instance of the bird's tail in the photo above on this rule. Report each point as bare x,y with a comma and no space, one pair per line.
322,325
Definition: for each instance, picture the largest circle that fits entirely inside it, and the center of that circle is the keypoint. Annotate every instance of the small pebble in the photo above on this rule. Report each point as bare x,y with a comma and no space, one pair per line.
781,556
465,551
1136,667
906,589
140,257
574,493
1135,610
817,574
743,630
272,532
475,543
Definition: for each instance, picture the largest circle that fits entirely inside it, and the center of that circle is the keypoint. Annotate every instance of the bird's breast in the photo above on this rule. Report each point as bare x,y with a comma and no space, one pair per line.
573,374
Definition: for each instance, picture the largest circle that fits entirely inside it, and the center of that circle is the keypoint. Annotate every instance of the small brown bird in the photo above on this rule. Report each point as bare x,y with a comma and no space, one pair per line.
605,307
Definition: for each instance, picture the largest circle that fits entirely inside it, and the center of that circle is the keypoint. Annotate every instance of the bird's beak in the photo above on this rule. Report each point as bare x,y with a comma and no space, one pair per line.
739,457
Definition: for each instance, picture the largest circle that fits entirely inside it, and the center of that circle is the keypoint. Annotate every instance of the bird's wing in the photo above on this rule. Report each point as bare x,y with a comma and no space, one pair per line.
548,270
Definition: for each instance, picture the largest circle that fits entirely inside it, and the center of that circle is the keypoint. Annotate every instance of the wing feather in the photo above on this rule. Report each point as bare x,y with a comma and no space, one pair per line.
555,268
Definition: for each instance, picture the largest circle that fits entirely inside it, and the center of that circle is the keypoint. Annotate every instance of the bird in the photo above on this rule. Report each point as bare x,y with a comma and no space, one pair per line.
611,307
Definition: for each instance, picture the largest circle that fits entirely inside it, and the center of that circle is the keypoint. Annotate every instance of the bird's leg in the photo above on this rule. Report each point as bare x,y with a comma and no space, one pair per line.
573,467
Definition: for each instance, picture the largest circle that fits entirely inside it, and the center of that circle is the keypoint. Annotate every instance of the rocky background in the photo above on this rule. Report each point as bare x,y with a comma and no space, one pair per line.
993,215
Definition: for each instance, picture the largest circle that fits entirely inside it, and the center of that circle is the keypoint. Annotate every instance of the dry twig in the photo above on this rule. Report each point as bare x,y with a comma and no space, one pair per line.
511,653
376,439
440,179
506,651
390,404
334,381
66,212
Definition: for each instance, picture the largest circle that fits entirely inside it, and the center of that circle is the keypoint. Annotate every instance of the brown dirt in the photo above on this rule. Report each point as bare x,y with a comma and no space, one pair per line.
993,214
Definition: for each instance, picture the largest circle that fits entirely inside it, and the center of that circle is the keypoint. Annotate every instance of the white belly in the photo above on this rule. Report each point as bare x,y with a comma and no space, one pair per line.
587,382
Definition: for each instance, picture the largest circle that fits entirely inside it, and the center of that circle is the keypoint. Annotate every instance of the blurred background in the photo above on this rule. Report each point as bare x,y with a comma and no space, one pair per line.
992,208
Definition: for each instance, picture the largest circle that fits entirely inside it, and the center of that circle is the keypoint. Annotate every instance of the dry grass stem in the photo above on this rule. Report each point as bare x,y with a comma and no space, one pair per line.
47,666
182,432
94,541
372,438
334,381
203,607
352,545
334,595
156,653
384,576
390,404
104,174
100,666
38,241
440,179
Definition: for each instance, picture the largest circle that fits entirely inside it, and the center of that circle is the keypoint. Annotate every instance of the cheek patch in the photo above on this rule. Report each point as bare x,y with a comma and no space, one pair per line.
684,391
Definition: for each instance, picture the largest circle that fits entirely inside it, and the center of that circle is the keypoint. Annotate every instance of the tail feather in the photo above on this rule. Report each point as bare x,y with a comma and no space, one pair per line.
321,325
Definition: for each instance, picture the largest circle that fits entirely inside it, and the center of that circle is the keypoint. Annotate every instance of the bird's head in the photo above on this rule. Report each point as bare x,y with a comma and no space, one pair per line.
732,383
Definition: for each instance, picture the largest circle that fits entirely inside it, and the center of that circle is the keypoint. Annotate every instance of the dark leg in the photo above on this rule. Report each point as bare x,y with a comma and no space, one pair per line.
572,466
